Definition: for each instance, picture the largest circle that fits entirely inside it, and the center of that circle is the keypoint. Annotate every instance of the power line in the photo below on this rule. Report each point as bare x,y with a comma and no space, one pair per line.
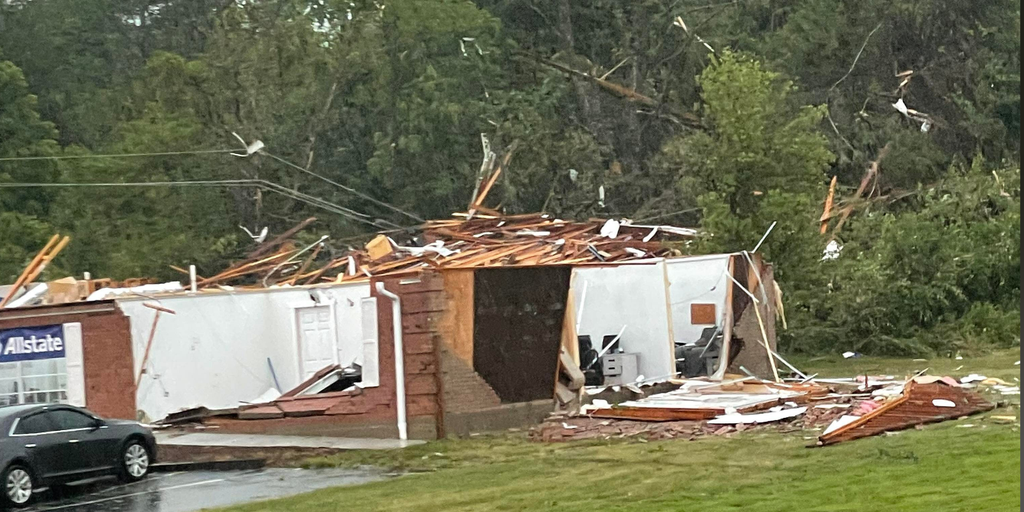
346,188
263,184
121,155
688,210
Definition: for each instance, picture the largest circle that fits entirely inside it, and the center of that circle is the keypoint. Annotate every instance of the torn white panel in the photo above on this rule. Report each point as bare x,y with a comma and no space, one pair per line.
268,396
831,251
651,234
437,248
146,289
900,106
610,229
30,297
764,417
636,252
840,423
974,377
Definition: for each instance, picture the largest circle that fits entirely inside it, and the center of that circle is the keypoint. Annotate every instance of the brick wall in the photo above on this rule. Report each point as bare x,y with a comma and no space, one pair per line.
109,366
106,348
464,389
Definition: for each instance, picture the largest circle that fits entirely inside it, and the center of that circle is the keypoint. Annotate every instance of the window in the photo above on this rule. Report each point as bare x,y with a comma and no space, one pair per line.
33,382
66,419
34,424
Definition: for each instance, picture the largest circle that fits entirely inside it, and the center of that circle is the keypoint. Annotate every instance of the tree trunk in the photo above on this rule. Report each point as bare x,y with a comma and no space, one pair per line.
565,25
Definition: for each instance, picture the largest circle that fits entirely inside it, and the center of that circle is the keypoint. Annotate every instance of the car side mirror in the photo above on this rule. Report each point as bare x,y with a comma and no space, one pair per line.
97,423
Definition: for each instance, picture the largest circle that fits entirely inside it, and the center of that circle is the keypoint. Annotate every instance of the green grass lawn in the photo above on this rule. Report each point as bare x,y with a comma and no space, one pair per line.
945,467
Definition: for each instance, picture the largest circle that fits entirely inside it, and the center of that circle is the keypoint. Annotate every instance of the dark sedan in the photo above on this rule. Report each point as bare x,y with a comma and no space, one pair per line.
42,445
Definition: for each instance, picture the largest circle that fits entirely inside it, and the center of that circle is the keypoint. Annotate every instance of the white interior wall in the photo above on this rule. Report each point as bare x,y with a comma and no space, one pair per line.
700,280
214,351
631,295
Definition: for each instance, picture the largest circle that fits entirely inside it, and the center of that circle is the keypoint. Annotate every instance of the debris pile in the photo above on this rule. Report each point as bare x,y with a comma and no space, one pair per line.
465,241
841,409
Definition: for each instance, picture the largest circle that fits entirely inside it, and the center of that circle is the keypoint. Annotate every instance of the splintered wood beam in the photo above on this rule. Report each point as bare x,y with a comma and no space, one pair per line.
23,278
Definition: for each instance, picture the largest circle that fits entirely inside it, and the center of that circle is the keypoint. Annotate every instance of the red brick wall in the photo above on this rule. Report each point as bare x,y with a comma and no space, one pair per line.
106,348
464,389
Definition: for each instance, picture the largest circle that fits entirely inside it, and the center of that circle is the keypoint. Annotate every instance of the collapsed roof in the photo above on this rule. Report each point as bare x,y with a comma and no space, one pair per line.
465,241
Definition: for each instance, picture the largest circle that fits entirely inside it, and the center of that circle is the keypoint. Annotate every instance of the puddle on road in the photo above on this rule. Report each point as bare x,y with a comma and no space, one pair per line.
196,490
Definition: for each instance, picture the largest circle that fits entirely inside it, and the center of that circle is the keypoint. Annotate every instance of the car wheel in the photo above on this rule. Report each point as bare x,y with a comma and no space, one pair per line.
134,461
18,486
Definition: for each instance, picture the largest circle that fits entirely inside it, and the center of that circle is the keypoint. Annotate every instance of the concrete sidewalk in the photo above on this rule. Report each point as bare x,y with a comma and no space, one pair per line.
271,441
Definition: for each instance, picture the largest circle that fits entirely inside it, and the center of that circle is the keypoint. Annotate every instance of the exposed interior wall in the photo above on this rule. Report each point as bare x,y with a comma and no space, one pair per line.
373,411
633,295
106,351
696,281
456,325
213,352
517,329
758,279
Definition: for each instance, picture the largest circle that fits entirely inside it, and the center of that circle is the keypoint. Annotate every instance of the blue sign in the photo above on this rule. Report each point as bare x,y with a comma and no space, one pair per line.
27,343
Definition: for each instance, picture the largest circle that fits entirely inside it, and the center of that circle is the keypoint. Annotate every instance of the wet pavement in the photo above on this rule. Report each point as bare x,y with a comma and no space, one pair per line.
270,441
195,490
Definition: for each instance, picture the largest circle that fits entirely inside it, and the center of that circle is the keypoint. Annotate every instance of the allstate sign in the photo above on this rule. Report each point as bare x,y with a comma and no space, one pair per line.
27,343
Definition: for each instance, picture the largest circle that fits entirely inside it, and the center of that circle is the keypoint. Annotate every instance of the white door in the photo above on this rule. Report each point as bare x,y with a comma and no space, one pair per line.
317,347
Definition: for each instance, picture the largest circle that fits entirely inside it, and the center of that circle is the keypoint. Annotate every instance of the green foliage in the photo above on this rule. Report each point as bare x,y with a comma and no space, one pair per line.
736,121
756,141
23,232
761,161
945,276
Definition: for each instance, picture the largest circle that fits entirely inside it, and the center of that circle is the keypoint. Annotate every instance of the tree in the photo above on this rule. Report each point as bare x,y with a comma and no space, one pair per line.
23,232
761,160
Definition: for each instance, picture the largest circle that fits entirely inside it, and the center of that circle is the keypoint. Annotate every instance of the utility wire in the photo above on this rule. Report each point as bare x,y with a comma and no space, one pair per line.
215,151
263,184
688,210
121,155
346,188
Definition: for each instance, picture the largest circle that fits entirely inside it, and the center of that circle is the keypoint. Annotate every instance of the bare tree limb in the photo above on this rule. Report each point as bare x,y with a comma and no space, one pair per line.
857,58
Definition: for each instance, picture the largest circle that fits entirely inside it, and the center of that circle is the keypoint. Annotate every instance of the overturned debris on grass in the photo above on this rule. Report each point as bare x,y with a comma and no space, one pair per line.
846,409
918,404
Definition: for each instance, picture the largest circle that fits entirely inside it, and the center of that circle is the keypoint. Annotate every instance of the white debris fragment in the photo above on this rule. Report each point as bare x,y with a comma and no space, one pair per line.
831,251
610,229
764,417
901,106
840,423
940,402
974,377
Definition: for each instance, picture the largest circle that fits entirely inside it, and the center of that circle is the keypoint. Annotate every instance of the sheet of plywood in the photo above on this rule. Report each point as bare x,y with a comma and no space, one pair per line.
457,320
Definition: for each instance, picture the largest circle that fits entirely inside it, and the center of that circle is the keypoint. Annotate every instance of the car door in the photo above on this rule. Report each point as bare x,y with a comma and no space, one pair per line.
90,447
50,453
